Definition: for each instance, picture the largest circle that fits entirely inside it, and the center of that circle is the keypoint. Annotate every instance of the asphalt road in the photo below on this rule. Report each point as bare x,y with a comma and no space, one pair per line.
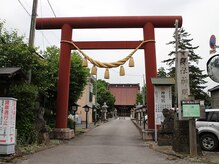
115,142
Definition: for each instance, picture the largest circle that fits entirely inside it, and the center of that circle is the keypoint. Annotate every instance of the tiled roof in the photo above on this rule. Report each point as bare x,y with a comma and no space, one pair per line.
8,70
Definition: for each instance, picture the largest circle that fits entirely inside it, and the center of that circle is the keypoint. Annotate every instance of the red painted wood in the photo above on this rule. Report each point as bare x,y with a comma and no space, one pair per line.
125,94
150,71
108,22
64,77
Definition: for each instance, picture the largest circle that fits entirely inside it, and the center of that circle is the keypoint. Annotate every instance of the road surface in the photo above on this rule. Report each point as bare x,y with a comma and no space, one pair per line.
115,142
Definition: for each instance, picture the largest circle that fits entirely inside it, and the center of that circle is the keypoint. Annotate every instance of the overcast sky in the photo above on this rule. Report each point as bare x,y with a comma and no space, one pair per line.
200,19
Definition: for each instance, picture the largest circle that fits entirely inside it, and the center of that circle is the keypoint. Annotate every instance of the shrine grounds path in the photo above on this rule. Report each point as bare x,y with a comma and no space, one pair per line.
115,142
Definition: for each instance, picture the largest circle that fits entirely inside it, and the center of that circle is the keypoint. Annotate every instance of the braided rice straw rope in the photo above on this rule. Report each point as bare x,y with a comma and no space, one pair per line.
104,64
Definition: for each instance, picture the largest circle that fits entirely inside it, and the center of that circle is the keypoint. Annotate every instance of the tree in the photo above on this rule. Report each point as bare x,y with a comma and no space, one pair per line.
141,97
161,72
78,76
16,53
42,89
104,95
196,75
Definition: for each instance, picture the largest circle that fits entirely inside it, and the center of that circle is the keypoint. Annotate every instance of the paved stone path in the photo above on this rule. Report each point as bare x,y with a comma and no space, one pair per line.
115,142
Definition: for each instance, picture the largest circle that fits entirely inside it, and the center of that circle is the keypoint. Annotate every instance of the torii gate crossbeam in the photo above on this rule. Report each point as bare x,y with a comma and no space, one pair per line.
66,24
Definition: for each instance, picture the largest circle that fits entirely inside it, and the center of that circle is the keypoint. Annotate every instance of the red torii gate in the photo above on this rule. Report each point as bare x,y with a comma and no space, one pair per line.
67,24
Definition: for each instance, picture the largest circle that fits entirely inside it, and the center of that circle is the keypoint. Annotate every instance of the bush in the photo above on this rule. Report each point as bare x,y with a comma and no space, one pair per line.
26,95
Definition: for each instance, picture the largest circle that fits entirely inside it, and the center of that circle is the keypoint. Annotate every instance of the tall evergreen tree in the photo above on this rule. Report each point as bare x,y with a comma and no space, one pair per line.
161,72
196,75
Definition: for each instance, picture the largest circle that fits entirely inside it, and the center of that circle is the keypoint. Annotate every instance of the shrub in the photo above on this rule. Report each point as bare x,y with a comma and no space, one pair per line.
26,95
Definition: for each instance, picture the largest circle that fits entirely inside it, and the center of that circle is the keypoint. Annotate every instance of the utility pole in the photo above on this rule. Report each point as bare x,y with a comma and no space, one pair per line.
33,23
32,31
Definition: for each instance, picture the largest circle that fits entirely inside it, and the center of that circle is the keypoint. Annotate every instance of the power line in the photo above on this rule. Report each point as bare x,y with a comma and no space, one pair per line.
24,7
51,8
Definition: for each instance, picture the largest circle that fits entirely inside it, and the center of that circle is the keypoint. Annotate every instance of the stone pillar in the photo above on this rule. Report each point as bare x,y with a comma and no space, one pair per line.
181,136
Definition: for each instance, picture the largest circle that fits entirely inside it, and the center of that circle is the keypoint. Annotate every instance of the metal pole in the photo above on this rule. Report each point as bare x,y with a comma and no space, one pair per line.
86,120
74,121
95,113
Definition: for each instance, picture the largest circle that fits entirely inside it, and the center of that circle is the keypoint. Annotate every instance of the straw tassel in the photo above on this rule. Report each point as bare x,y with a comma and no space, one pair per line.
131,62
94,70
84,62
106,74
122,71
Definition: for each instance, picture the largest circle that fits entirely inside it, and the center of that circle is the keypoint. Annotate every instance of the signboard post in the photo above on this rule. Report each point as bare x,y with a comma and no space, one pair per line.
7,125
162,99
190,109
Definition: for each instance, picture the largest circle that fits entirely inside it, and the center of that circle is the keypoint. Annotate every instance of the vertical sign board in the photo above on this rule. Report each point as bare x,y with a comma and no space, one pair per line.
163,99
7,125
182,79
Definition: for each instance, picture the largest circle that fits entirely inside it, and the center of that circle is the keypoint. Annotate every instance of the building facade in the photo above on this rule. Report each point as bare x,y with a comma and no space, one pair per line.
87,98
125,95
214,97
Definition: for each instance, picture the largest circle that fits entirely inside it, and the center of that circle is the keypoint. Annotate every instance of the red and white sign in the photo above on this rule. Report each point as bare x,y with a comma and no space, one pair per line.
7,120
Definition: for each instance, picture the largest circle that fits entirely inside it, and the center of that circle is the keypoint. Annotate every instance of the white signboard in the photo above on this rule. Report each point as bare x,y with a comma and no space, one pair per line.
7,120
163,99
182,78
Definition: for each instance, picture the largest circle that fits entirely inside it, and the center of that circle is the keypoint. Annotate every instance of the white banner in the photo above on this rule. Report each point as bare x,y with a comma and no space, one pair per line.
163,99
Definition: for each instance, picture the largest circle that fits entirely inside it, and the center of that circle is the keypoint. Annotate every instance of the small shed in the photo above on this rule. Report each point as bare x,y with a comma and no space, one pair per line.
10,75
214,96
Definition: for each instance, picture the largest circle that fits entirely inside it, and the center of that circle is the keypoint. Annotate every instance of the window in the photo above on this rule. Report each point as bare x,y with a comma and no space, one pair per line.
212,116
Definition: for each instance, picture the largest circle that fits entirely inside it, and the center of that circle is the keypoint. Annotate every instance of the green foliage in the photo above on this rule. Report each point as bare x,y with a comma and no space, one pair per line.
141,97
161,72
43,88
103,94
196,76
14,52
26,95
78,77
183,44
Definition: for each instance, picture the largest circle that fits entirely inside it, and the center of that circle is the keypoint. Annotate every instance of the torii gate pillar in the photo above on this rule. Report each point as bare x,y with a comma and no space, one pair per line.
150,70
64,78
